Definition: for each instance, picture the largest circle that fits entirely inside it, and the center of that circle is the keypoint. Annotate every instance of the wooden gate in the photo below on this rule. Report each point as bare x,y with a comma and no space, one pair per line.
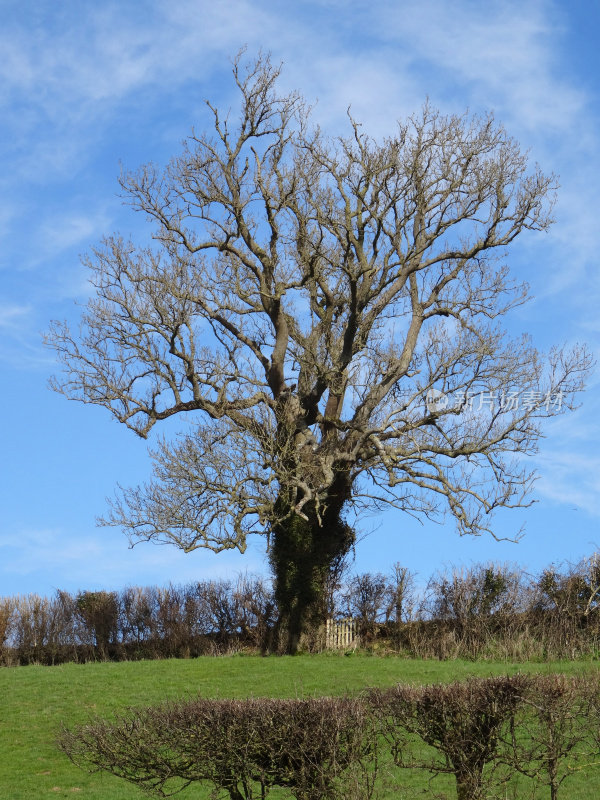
340,634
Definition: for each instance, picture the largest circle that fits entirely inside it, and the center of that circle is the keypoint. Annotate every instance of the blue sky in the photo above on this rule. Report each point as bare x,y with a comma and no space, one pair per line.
85,87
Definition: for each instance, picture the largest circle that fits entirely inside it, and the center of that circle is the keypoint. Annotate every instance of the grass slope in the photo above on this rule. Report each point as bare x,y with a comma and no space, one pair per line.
35,701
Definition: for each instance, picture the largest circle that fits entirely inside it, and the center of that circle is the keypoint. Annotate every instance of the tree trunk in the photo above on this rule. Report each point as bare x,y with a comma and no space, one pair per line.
302,555
553,775
469,783
467,789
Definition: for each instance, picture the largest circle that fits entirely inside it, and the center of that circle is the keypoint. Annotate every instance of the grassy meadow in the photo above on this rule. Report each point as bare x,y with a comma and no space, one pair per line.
35,701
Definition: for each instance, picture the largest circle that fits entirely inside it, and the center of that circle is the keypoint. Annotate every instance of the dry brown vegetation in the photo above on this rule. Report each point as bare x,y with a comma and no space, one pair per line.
488,611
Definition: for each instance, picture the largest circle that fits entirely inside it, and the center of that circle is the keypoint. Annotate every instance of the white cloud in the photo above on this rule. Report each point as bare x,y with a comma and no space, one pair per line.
65,230
571,477
502,53
13,316
568,462
20,343
56,559
84,61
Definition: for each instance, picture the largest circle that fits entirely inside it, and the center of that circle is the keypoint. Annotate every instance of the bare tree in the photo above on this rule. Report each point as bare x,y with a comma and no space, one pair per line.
302,296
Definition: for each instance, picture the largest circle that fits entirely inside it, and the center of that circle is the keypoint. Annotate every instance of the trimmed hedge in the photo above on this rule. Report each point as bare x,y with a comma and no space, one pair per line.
483,732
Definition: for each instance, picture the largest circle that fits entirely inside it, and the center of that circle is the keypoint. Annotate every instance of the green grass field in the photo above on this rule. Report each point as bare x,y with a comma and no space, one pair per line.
35,701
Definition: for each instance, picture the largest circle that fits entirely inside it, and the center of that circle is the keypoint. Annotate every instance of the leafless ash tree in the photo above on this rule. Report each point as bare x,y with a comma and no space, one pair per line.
301,297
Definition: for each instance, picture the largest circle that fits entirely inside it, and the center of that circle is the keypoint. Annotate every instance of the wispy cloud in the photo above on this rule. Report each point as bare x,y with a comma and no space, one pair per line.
67,229
12,317
571,477
75,67
568,462
504,53
52,558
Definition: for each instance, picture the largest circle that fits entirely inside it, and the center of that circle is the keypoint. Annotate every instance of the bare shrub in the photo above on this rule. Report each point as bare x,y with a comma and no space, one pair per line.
366,599
42,630
99,613
566,610
70,642
402,595
477,604
463,722
320,747
551,732
30,627
312,747
219,609
6,622
335,583
179,620
137,621
487,611
256,610
570,589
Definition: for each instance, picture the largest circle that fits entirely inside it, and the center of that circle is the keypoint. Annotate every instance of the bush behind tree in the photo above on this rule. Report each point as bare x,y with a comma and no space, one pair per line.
485,611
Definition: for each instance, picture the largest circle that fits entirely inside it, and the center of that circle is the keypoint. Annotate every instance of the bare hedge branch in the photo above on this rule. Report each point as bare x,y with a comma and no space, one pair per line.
312,747
462,722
